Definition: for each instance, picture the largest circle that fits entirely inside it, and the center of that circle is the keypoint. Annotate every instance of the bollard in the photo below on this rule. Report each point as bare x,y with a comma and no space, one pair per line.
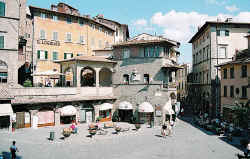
52,135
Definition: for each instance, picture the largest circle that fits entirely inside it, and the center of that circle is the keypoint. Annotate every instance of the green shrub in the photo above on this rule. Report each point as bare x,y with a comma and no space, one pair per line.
27,83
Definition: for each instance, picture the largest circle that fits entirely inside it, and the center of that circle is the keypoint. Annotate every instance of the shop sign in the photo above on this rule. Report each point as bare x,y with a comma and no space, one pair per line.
47,42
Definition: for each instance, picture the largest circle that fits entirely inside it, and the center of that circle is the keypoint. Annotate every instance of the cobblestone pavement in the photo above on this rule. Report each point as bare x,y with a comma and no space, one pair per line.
187,142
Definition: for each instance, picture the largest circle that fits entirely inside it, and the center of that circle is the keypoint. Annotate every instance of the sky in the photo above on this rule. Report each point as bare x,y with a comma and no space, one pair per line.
174,19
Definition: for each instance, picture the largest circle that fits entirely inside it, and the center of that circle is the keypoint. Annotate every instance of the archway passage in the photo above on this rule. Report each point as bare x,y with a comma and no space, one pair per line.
105,77
88,77
24,73
3,72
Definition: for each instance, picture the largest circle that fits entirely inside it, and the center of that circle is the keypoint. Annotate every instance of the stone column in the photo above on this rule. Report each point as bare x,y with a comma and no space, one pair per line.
97,71
57,116
78,77
173,76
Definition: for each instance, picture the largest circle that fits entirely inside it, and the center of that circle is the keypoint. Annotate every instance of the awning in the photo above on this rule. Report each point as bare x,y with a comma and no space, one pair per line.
5,109
68,110
125,105
168,108
146,107
106,106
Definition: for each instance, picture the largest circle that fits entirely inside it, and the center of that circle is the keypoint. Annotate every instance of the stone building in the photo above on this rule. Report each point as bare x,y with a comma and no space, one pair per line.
235,90
182,86
144,77
121,30
213,44
62,33
9,20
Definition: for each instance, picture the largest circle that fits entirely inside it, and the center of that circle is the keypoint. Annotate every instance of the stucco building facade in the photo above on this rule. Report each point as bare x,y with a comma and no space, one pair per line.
213,44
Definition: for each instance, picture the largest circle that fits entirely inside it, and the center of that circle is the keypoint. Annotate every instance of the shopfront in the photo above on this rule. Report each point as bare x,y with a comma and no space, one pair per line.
105,112
67,114
125,111
146,112
6,114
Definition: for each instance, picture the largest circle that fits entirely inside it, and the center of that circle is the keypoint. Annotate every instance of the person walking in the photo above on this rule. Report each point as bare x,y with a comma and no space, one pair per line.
13,150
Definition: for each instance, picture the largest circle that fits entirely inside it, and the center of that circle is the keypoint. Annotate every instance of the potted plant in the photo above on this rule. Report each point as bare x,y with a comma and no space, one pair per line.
137,126
117,129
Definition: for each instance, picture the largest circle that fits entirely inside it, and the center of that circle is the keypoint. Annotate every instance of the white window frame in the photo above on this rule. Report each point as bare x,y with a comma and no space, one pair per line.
81,39
67,39
220,53
42,15
52,57
55,19
41,36
53,37
126,53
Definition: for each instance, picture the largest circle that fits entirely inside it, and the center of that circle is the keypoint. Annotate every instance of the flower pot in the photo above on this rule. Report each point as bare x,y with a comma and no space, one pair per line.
137,126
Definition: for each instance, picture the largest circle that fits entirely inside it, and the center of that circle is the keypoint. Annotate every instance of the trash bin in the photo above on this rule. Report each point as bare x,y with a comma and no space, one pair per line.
52,135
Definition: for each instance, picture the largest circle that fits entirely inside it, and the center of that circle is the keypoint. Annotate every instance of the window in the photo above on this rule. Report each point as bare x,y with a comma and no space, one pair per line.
81,40
42,55
116,32
100,29
55,17
126,79
3,77
244,91
106,33
2,9
166,51
80,21
55,56
43,15
225,91
225,73
146,78
68,37
126,53
92,26
226,32
42,34
218,32
222,52
1,42
68,55
231,91
232,72
69,20
243,71
55,36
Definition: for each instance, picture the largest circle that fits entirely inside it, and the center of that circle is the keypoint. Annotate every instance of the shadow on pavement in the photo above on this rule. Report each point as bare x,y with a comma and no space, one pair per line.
7,155
236,140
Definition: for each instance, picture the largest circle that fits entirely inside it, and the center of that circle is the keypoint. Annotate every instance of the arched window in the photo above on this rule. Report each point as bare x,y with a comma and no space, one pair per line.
88,77
3,72
105,77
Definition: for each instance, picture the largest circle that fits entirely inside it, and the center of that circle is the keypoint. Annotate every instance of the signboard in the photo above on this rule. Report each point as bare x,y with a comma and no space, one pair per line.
47,42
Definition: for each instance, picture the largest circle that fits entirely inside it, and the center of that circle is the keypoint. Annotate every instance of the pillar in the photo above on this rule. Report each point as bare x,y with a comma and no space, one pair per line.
97,71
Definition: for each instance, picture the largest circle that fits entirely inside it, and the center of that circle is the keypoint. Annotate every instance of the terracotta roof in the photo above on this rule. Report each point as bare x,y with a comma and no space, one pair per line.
18,101
85,17
141,42
215,23
87,58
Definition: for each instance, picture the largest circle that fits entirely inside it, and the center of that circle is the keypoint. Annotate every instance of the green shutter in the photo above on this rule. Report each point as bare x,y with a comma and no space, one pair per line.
46,55
71,55
54,55
1,42
38,54
65,55
2,9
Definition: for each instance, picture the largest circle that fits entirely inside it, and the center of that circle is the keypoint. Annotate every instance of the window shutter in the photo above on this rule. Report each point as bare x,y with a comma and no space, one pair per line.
46,55
38,54
2,9
1,41
71,55
65,56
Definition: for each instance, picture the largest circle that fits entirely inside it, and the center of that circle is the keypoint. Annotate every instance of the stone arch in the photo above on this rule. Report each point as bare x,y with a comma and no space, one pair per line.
88,77
3,72
68,77
105,77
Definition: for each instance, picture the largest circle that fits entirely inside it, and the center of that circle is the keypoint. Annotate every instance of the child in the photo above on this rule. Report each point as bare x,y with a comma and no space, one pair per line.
13,150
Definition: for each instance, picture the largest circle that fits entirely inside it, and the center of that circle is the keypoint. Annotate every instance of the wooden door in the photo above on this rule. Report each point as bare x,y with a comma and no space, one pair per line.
20,120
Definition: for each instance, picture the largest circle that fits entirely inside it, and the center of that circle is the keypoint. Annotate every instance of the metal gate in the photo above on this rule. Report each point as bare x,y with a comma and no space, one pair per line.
20,120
